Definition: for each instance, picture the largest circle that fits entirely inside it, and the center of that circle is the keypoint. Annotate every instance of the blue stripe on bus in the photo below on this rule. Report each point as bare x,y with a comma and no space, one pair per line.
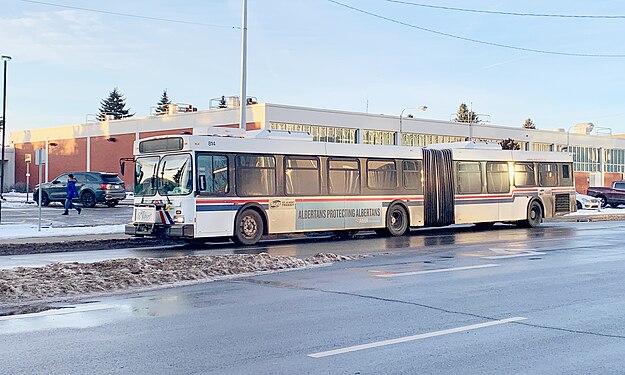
493,200
218,207
223,207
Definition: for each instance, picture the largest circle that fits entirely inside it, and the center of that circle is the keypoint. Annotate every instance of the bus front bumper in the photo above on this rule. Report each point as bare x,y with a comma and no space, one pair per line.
175,230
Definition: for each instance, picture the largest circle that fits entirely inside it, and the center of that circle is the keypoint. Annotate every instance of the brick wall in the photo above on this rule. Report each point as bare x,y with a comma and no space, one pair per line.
22,149
67,155
105,155
581,181
608,178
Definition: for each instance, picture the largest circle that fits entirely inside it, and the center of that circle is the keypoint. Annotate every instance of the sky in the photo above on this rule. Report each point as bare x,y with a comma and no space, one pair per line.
375,56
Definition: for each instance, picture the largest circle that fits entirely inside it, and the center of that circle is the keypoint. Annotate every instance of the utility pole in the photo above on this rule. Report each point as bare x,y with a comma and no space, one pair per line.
243,96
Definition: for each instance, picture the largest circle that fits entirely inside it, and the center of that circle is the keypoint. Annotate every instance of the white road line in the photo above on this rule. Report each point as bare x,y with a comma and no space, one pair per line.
413,338
525,254
388,275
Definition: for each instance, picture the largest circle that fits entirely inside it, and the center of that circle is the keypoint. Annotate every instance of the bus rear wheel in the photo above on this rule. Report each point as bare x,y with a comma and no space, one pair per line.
534,215
248,228
396,221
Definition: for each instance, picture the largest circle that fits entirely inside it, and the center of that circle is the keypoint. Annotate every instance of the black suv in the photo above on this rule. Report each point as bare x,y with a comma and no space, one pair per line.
93,187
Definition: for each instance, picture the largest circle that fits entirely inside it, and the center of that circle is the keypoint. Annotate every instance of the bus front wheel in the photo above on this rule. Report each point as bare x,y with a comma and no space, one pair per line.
396,221
248,228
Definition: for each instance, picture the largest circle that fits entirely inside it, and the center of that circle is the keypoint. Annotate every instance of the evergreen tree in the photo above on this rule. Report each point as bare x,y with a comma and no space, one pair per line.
509,144
163,105
529,124
464,115
114,105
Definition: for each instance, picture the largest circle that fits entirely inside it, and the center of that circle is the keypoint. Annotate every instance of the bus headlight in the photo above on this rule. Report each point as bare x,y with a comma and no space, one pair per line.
179,219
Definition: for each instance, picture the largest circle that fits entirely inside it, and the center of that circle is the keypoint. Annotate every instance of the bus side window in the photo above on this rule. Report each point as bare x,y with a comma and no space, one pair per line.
343,176
524,175
381,174
301,176
412,175
256,175
565,177
212,173
469,177
548,174
497,177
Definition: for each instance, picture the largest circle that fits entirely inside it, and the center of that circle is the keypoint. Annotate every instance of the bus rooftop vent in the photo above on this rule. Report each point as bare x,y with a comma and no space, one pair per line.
220,131
284,135
466,145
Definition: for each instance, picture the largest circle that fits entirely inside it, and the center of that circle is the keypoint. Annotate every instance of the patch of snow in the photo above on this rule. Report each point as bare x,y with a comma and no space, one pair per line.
14,231
603,211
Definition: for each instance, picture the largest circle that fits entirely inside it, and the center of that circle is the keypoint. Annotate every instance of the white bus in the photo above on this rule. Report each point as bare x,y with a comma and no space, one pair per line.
225,183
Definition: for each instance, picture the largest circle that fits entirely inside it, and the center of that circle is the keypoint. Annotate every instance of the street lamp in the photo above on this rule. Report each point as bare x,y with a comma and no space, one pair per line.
5,59
401,116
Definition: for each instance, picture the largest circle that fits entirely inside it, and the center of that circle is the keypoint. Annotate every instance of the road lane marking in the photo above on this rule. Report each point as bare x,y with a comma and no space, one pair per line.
400,340
388,275
524,254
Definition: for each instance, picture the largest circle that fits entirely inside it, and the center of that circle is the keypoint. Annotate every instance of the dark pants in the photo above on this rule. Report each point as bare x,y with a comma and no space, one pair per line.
69,204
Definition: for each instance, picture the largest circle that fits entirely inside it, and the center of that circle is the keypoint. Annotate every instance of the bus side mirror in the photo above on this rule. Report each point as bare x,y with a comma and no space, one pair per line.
122,167
202,183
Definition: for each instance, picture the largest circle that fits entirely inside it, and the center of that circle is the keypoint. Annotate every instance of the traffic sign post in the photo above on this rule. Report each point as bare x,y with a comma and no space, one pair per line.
27,160
40,160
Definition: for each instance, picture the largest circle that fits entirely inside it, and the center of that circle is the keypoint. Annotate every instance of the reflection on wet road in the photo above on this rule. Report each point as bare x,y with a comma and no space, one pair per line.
93,313
424,241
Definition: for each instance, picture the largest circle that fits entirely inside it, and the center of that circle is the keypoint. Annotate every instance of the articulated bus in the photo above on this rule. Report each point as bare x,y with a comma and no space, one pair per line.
227,183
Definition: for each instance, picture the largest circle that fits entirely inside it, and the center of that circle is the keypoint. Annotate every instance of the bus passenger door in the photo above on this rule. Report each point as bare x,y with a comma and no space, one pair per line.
439,190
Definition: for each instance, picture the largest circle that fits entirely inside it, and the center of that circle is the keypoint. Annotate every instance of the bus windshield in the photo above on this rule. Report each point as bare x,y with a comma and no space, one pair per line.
175,175
145,175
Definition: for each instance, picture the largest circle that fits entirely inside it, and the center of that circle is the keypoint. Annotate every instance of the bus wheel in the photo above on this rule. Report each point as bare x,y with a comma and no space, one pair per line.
248,228
396,220
534,215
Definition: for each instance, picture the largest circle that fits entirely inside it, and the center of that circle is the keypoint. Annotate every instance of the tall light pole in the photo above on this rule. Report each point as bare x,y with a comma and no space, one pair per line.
243,99
5,59
401,116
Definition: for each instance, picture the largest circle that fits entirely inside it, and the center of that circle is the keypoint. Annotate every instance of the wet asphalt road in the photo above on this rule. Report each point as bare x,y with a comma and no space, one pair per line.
444,295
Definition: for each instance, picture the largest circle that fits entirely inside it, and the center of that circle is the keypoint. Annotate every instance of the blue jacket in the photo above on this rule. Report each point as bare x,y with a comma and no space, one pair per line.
71,189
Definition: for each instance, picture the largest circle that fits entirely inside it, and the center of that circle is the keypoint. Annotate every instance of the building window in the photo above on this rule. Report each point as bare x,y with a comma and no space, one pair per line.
320,133
378,137
614,160
423,140
585,159
537,146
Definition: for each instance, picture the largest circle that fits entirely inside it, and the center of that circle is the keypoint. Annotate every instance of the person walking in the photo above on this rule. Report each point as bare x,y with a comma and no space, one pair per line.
72,192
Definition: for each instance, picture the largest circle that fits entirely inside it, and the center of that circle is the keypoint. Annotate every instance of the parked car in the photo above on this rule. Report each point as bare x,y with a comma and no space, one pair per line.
609,196
93,187
586,202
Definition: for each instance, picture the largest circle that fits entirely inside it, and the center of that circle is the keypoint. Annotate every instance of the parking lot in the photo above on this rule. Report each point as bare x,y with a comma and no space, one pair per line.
15,213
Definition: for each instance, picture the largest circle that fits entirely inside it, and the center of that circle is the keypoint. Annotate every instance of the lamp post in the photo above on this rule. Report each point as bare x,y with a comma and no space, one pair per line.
401,116
5,59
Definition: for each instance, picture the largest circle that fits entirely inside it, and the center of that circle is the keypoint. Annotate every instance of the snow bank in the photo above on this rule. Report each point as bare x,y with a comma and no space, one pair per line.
72,279
13,231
